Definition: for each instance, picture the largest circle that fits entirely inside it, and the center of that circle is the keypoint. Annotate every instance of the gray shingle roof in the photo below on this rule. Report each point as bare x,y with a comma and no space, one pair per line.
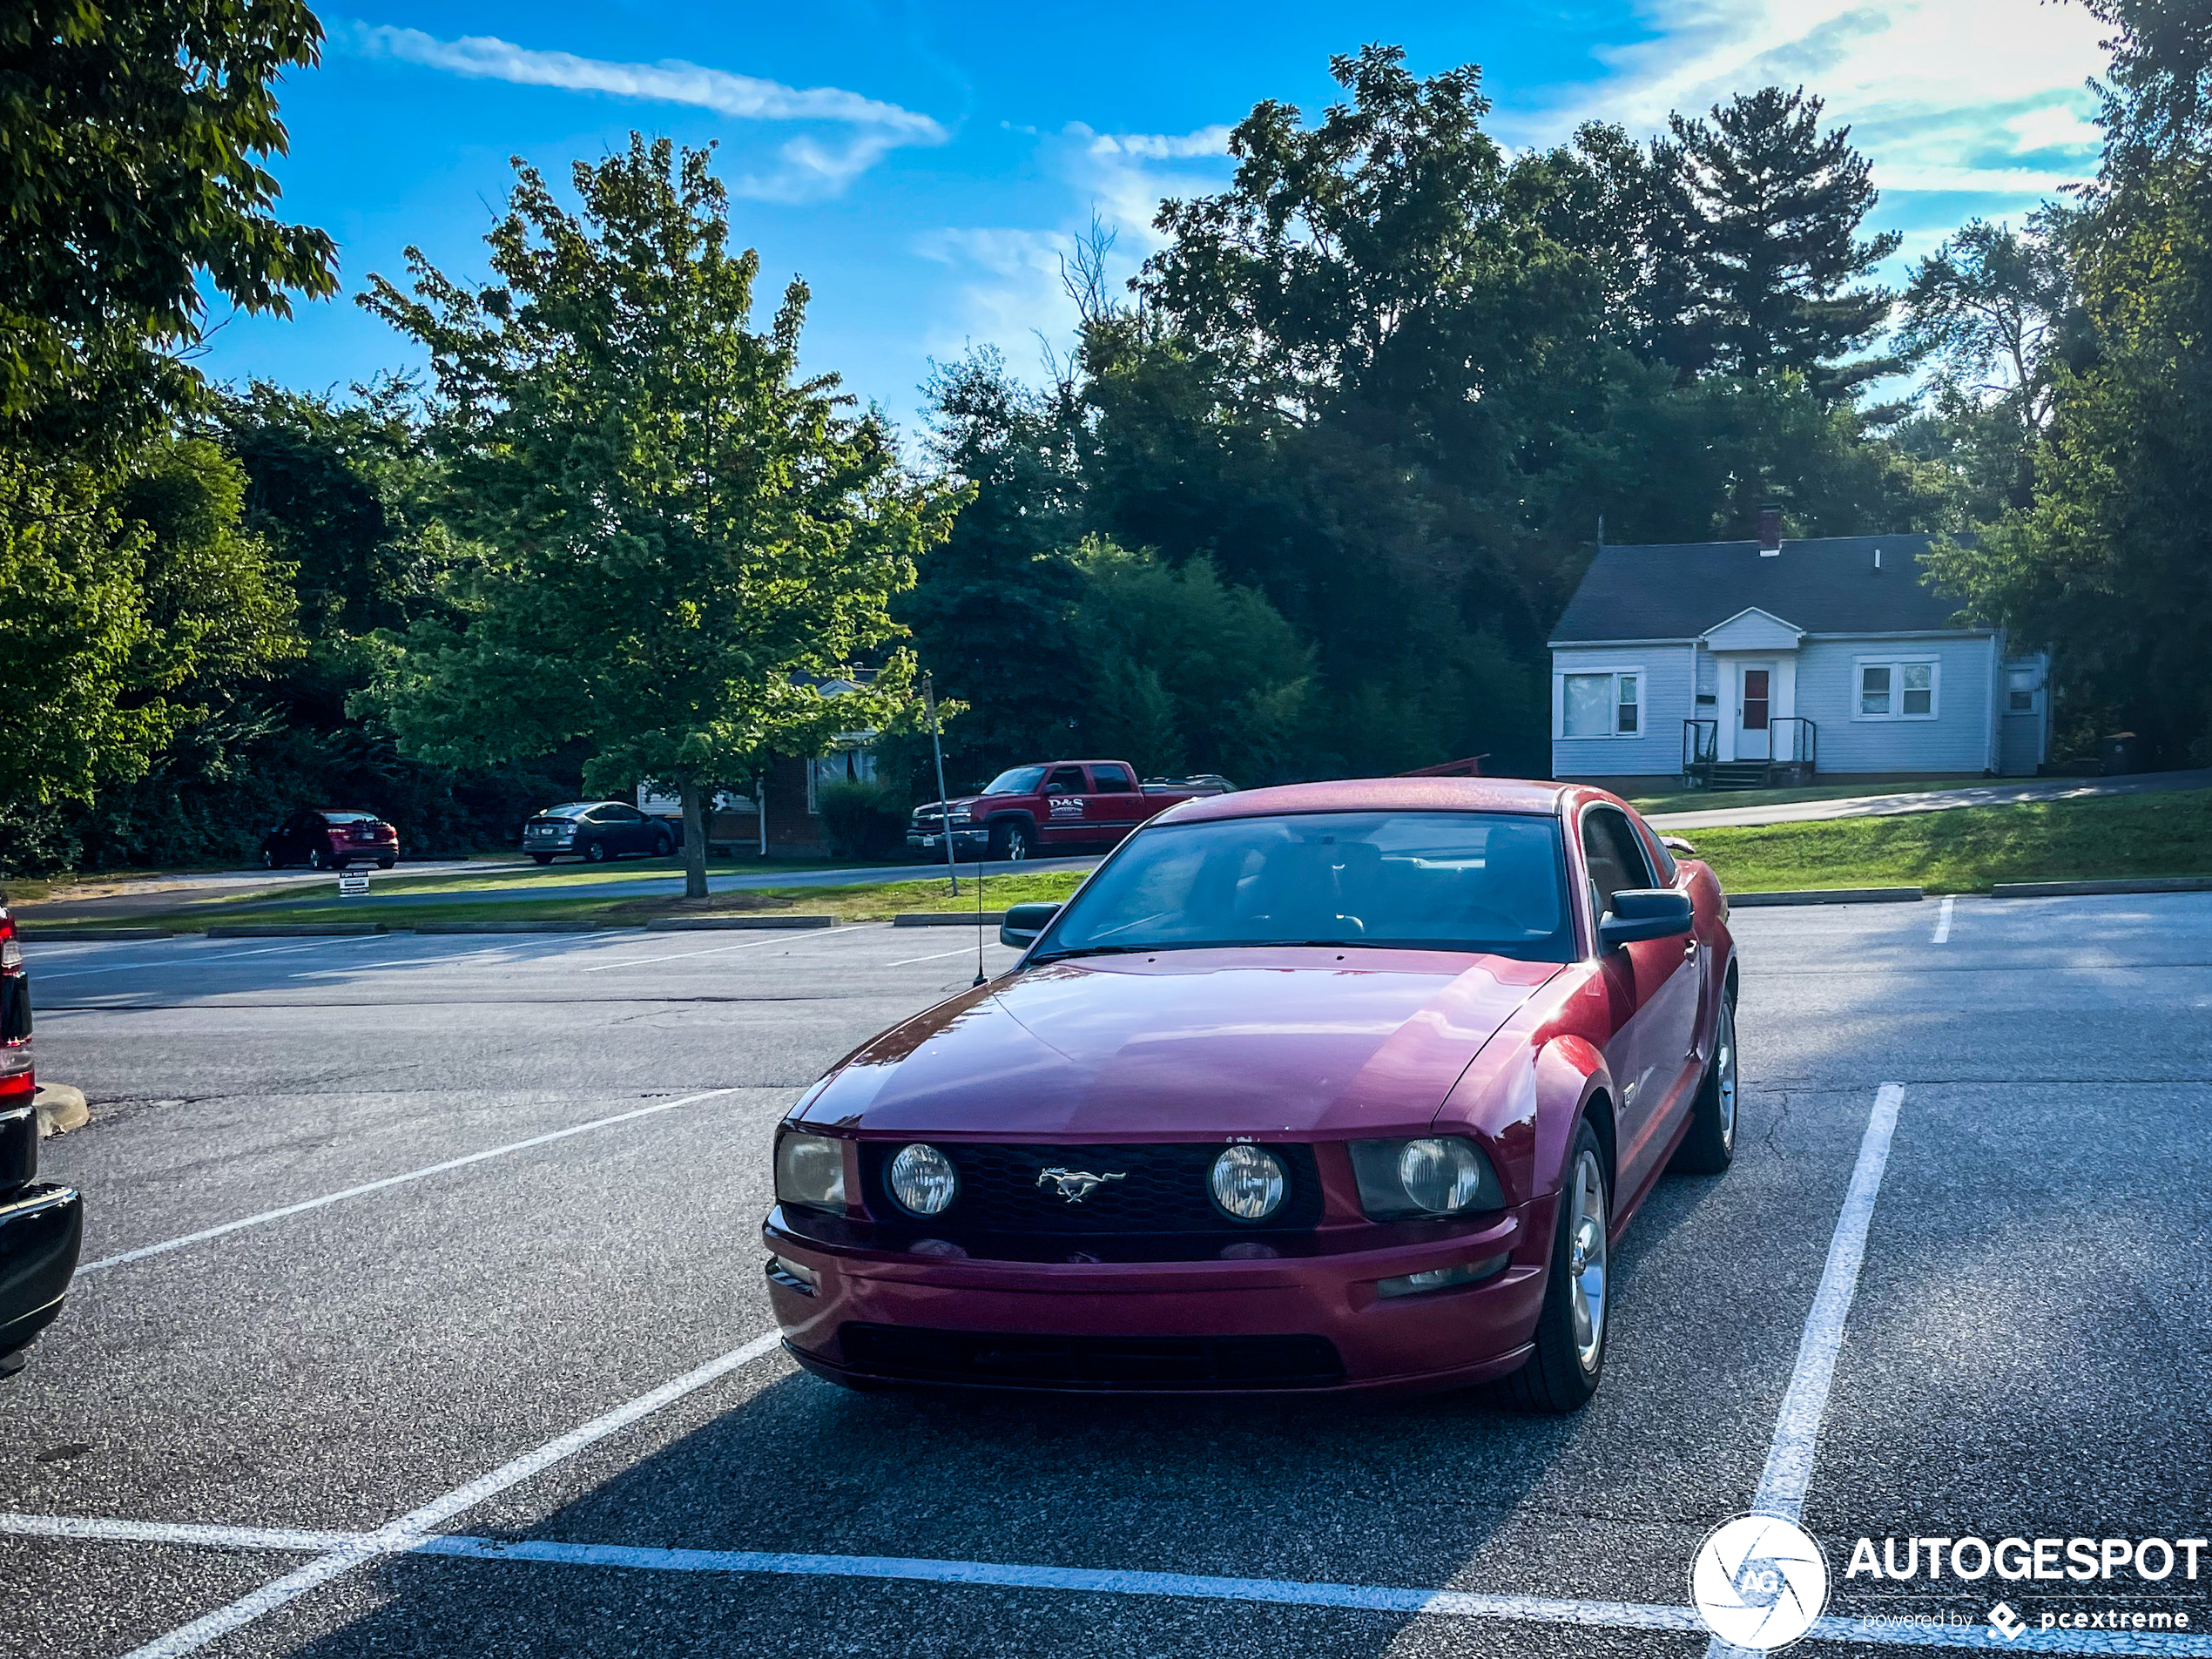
1825,585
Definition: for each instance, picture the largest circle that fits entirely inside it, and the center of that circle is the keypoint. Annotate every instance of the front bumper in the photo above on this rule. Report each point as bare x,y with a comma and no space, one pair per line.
42,1228
1186,1311
933,840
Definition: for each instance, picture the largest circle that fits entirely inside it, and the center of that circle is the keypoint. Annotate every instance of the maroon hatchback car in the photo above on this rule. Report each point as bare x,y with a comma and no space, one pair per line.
1340,1086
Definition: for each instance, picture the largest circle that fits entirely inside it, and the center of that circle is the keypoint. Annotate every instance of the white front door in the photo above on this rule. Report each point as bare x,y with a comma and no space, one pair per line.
1754,711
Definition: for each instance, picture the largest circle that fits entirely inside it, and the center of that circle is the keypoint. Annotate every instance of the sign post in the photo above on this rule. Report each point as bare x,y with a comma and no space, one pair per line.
944,801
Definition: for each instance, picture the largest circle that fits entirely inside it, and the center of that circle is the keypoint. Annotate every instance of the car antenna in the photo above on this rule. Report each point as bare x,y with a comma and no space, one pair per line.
980,863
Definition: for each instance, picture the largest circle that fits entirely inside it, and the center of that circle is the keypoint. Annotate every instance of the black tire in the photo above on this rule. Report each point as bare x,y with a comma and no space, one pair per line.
540,858
595,852
268,859
1710,1145
663,846
316,860
1557,1379
1011,840
386,864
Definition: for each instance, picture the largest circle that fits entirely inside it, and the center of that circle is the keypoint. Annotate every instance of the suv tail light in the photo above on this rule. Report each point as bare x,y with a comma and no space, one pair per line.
15,1078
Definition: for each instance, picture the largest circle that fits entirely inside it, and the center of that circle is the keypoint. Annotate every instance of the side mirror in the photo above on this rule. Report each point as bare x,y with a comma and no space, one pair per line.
1024,922
1644,912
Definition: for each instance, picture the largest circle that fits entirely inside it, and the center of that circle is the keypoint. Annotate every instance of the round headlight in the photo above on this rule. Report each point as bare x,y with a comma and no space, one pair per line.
923,1180
1441,1175
1248,1183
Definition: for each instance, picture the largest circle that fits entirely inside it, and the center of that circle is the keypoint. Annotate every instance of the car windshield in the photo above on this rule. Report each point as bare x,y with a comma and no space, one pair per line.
1487,882
349,817
1016,781
573,809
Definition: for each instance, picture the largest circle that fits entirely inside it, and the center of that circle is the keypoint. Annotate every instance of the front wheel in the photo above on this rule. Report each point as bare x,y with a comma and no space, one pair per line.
1010,842
1569,1358
386,864
1710,1145
316,860
663,846
268,859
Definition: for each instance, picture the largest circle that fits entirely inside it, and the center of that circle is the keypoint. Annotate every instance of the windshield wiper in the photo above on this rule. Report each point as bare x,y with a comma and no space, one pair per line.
1099,950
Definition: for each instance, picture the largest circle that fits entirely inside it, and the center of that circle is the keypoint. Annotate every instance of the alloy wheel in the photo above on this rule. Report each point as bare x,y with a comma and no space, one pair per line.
1724,1064
1586,1260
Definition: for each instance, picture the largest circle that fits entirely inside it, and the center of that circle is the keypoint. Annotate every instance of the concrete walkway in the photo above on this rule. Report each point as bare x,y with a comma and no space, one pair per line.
1934,801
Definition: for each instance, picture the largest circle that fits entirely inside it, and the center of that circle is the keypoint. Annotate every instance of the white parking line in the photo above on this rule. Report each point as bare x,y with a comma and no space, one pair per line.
416,961
940,956
1366,1598
201,958
207,1233
723,950
1942,935
1796,1429
414,1528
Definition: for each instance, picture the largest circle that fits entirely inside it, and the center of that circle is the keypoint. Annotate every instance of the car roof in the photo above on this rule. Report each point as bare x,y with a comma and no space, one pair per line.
1380,794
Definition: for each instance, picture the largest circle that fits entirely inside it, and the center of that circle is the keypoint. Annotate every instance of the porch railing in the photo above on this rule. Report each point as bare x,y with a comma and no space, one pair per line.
1701,743
1792,757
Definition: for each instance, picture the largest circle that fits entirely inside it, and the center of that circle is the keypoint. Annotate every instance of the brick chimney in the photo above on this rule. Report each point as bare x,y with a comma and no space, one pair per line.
1769,530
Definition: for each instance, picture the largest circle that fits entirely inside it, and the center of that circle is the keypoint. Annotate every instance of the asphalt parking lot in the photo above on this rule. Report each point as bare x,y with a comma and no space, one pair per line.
422,1314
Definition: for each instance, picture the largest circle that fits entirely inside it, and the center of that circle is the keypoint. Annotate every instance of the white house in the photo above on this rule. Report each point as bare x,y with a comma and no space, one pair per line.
1748,663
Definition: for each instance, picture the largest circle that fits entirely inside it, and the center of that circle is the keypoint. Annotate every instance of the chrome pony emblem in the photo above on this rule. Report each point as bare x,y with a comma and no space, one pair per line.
1075,1185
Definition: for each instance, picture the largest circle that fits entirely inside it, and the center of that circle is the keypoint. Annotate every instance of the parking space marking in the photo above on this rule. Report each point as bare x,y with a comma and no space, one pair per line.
1796,1429
411,1530
206,1233
939,957
723,950
357,1547
1942,935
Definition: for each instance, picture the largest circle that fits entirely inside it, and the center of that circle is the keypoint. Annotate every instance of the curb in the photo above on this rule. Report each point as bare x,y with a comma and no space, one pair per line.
1827,895
948,919
296,929
522,927
61,1108
723,924
2076,889
35,933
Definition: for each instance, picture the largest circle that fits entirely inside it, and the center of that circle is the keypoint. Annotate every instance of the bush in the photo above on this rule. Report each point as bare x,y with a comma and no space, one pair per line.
862,820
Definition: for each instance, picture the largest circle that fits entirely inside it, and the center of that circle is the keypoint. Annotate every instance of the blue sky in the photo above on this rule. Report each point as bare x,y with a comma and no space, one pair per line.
923,165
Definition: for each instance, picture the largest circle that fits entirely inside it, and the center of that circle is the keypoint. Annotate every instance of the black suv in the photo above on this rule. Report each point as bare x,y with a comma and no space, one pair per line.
42,1226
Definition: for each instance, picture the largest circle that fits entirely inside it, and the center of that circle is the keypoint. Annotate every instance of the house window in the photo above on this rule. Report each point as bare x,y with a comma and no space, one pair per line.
846,766
1602,705
1904,691
2020,691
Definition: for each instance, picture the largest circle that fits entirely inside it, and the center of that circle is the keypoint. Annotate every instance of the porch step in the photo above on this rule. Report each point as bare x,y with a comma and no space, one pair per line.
1739,774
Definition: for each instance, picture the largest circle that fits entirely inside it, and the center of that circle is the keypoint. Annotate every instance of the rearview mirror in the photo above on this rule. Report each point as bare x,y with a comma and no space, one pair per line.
1024,922
1644,912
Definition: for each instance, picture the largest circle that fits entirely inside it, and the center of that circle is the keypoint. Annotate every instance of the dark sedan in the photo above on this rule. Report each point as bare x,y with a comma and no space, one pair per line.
1338,1086
596,831
42,1225
326,838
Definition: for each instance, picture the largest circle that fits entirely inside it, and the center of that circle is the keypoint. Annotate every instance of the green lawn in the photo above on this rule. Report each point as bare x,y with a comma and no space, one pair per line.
1965,849
1707,800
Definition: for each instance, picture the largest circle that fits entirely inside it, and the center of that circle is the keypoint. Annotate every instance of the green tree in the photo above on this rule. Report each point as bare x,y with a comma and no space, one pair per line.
1775,206
2111,564
990,612
683,535
132,139
1185,671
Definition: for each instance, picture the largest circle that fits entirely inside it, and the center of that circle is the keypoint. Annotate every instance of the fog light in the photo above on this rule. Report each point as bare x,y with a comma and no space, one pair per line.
1248,1183
1441,1278
793,1276
923,1180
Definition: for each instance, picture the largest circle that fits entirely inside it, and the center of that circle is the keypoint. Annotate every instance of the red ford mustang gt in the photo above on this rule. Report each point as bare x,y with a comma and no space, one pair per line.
1340,1086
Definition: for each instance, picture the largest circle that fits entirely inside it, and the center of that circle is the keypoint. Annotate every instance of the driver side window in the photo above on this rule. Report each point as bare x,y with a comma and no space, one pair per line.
1614,860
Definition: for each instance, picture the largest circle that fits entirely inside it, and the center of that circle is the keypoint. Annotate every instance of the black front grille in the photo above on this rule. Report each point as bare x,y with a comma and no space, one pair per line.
1091,1362
1160,1189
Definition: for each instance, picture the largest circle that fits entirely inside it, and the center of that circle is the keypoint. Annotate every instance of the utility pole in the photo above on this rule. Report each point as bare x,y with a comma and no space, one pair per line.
944,801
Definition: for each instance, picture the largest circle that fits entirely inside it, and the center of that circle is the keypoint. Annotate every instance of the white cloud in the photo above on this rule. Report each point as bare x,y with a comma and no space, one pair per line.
1013,292
809,166
1979,96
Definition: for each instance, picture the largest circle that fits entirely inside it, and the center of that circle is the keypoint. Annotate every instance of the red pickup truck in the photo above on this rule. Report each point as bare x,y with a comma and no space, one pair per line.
1052,806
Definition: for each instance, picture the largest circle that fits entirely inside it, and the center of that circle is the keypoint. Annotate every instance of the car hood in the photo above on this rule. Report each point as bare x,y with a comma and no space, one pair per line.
1190,1043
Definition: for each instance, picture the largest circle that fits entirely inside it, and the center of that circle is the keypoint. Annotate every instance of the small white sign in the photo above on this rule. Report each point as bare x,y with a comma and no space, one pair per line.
353,884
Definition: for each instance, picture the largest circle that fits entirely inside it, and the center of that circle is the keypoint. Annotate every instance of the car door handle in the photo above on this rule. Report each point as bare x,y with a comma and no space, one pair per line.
1690,950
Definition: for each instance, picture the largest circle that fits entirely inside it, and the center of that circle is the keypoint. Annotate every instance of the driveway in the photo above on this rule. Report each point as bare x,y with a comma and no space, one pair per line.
1935,800
422,1313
